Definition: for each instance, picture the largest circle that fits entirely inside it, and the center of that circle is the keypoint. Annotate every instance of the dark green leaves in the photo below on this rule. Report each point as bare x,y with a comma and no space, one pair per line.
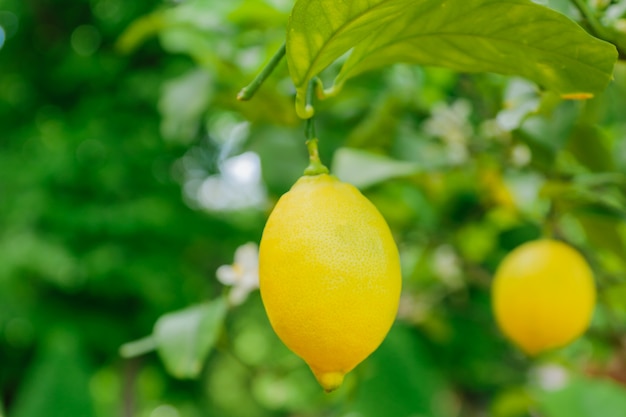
513,37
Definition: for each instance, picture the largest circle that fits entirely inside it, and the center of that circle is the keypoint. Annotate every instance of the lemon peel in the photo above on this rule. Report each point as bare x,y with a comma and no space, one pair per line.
329,275
543,295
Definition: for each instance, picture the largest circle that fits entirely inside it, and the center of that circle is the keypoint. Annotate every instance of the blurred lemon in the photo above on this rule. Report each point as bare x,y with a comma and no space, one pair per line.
543,295
329,275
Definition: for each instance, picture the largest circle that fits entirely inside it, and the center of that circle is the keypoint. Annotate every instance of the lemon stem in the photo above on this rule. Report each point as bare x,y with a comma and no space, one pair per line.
248,91
315,164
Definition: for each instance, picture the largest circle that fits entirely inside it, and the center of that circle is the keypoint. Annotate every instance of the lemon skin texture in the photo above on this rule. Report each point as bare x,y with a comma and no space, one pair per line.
543,295
329,275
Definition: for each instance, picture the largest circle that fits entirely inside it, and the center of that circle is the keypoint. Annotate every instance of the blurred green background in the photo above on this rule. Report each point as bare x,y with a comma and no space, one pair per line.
129,174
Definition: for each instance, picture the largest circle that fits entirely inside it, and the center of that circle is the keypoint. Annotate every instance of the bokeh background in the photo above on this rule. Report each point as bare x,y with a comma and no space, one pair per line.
129,175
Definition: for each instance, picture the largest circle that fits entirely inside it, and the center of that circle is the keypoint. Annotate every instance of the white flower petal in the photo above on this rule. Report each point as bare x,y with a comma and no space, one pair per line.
247,256
227,275
250,279
238,295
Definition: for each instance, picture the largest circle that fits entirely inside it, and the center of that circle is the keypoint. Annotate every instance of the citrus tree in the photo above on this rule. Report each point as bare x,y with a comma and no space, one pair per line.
466,256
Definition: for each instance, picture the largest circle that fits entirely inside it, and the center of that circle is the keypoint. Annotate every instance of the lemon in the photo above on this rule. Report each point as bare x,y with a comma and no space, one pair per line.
329,275
543,295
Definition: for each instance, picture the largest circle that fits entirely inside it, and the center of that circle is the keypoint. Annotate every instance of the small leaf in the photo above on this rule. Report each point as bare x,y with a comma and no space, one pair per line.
514,37
364,169
184,338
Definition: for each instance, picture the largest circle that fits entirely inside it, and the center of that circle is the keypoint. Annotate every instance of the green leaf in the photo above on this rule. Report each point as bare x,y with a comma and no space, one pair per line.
590,146
615,298
364,169
598,195
603,232
583,397
514,37
184,338
511,402
138,347
140,31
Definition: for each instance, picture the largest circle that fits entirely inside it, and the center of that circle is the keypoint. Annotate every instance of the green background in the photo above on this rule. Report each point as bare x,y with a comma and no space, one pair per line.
118,126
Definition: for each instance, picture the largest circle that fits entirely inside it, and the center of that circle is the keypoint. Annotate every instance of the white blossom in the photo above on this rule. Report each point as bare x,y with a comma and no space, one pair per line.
551,377
451,124
447,265
242,275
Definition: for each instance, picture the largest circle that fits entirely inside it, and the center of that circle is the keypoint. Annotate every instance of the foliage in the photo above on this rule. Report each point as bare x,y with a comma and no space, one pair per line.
129,173
512,37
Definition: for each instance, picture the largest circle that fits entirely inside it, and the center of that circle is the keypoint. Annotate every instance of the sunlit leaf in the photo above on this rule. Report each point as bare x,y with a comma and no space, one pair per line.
364,169
184,338
516,37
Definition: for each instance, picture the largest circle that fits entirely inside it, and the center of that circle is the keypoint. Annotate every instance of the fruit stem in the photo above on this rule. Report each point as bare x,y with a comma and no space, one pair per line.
315,165
248,91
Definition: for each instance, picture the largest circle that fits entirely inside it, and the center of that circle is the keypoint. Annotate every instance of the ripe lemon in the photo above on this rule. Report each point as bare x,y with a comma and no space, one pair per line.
543,295
329,275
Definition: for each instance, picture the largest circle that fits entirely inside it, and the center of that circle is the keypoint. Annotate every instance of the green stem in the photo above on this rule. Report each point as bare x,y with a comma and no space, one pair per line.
309,129
248,91
549,226
315,164
596,27
138,347
588,14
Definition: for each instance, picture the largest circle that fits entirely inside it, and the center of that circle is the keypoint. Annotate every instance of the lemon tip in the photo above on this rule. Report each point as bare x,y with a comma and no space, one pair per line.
330,381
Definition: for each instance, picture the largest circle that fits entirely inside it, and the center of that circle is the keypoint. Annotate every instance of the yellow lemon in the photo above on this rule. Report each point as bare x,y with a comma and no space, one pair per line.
329,274
543,295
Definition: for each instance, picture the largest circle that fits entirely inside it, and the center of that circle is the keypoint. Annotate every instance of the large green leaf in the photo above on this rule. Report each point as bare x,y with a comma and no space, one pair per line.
184,338
512,37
